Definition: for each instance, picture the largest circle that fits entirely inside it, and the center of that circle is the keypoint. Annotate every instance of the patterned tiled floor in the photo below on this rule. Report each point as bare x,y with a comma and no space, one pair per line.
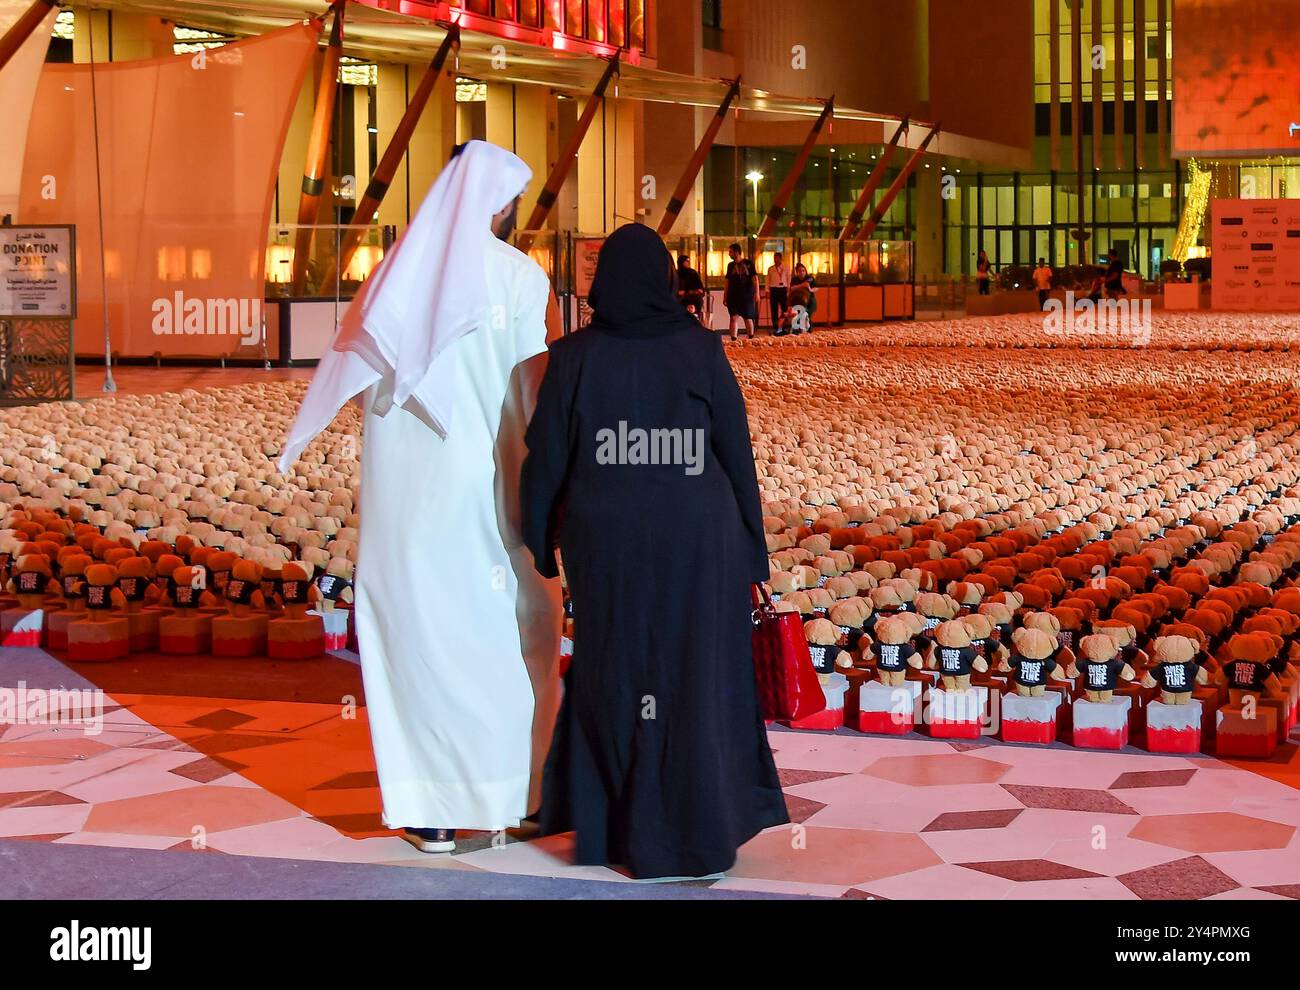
873,817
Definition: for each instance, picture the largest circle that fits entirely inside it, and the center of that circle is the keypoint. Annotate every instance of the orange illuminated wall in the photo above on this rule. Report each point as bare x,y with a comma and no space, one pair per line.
1236,77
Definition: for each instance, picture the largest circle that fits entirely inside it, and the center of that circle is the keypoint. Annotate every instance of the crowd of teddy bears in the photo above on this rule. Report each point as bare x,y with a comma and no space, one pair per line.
1123,521
132,506
1093,519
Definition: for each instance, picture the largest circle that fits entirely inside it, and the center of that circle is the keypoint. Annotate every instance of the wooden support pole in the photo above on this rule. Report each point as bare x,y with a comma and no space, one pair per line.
687,181
792,179
896,187
551,191
23,28
876,177
313,177
377,188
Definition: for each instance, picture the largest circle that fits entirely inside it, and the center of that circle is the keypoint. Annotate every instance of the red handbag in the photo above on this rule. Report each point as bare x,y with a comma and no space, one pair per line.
788,688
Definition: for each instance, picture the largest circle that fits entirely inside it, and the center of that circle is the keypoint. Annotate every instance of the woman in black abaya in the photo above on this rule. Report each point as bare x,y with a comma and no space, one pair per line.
660,761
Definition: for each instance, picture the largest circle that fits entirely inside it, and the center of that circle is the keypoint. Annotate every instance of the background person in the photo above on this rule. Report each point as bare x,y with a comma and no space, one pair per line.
690,288
741,295
803,293
778,290
983,272
1043,282
660,761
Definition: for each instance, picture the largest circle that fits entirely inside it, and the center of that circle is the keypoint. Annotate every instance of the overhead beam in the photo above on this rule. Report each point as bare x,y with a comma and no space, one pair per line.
792,179
876,177
313,176
687,181
384,172
23,28
555,181
896,187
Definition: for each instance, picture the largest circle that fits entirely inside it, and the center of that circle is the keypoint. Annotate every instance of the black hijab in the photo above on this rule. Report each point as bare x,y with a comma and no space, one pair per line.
634,289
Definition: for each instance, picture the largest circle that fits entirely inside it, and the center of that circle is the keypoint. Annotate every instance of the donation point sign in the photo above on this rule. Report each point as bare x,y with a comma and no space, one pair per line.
38,272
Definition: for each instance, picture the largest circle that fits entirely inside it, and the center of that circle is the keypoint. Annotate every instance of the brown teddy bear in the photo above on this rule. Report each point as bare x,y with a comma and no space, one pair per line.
243,588
823,638
1031,662
893,650
335,585
1101,667
31,580
935,608
1176,671
102,594
953,656
1247,671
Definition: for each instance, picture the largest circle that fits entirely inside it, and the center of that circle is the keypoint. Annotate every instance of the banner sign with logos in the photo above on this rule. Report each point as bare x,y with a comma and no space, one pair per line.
1256,255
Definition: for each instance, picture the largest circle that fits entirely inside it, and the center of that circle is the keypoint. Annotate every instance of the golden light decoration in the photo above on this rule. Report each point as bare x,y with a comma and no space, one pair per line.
1194,211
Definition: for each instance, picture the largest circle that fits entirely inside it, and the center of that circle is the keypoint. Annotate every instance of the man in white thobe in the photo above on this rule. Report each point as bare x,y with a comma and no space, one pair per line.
459,637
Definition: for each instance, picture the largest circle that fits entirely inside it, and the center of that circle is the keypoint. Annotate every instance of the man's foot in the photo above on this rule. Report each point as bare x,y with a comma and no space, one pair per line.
431,840
529,827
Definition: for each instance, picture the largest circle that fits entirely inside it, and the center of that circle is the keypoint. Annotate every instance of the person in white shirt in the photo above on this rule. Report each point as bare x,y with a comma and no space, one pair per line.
778,290
1043,281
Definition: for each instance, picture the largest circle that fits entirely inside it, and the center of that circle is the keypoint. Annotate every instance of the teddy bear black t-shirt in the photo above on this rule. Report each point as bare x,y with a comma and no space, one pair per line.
955,662
823,657
893,656
1175,678
1246,675
1102,676
1029,672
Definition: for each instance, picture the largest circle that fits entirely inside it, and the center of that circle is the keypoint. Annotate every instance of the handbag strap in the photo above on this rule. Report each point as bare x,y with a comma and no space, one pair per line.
763,607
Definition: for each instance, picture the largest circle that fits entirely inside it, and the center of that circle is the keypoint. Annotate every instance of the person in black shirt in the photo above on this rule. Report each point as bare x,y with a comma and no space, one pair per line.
741,295
690,288
1114,276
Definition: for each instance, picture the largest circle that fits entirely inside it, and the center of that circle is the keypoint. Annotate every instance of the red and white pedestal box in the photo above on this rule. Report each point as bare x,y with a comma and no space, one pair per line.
295,639
1174,728
99,639
143,630
832,716
56,627
1030,719
1241,733
239,635
336,627
1101,725
22,627
888,710
185,632
957,714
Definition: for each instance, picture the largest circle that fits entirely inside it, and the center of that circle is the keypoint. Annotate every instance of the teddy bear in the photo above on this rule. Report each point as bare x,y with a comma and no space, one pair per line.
1125,635
953,656
335,585
1247,672
135,581
243,587
983,636
935,608
823,646
102,594
32,580
847,616
1176,671
1031,662
894,652
1100,666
